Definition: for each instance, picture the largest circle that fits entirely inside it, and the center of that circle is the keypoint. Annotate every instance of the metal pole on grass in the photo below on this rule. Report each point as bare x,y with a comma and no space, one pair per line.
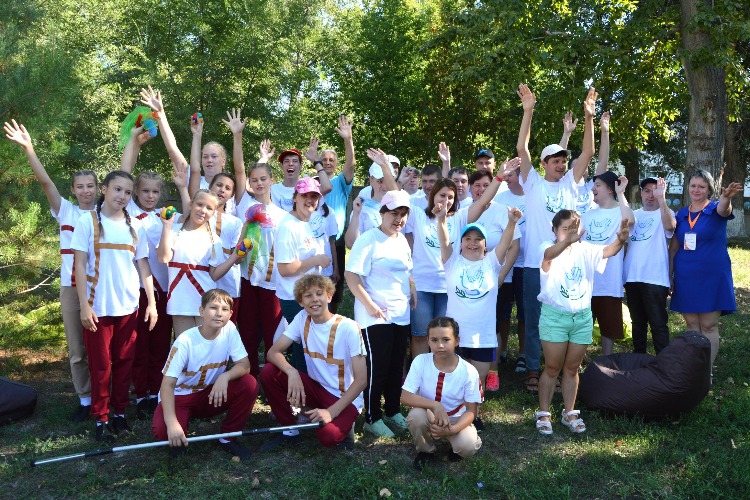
117,449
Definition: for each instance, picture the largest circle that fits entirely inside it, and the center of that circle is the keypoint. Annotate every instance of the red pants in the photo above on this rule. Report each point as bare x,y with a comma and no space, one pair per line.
241,395
151,347
235,310
275,385
111,349
261,315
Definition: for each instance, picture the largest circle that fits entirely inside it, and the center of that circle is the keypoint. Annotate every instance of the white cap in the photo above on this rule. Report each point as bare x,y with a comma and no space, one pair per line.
393,159
394,199
553,149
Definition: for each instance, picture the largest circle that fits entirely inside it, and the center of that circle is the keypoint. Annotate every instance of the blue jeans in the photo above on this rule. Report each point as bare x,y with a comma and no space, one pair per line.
429,305
532,309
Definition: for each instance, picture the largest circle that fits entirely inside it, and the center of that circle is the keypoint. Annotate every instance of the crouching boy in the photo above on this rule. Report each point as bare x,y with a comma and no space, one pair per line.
336,368
196,382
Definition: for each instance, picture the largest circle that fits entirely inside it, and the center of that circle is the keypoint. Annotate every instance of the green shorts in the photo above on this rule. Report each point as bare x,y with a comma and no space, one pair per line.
556,325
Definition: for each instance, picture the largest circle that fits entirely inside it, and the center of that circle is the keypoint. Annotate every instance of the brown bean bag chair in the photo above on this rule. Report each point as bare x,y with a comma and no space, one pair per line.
653,387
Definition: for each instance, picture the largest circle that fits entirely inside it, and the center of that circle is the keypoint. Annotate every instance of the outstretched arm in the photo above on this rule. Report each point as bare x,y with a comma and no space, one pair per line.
236,125
345,131
154,101
581,164
528,100
196,129
311,153
725,200
506,241
625,210
622,236
601,167
379,157
446,247
667,216
18,134
569,126
138,137
444,153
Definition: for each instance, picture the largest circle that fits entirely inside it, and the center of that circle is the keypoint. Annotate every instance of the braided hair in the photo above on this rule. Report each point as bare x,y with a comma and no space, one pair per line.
109,178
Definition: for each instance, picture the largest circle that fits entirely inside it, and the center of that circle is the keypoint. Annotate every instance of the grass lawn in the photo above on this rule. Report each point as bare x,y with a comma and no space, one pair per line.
704,454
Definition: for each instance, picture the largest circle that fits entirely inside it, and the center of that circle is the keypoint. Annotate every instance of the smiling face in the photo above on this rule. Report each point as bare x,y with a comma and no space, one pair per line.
223,187
442,341
291,165
84,189
602,193
216,314
117,193
555,167
212,160
699,190
479,187
473,245
446,197
260,180
330,162
393,221
148,193
378,188
305,204
202,208
315,301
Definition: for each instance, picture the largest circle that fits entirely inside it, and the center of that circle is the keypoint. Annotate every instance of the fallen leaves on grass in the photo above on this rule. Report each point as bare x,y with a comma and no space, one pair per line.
383,462
385,492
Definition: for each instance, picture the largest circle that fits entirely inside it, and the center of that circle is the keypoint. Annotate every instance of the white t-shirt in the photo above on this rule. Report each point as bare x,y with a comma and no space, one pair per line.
228,227
329,351
385,264
116,284
294,240
601,225
262,269
494,220
585,199
543,200
369,216
453,390
282,196
188,284
647,257
472,296
67,218
197,362
419,200
569,283
429,274
152,224
508,199
323,227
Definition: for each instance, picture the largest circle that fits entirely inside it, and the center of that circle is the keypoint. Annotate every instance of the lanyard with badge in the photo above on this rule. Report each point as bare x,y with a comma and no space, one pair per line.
691,238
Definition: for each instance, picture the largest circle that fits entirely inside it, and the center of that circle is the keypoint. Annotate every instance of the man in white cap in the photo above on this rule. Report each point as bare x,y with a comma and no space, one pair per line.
545,196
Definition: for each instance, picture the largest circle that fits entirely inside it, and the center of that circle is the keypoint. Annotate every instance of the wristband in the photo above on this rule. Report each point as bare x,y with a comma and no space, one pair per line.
316,162
498,178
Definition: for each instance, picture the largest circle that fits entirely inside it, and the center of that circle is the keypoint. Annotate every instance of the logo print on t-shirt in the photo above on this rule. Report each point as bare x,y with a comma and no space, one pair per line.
316,224
431,237
597,228
554,203
471,285
642,230
583,202
573,281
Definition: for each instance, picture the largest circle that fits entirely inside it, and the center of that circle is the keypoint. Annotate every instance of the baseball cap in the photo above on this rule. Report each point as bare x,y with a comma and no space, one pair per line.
288,152
377,172
394,199
307,185
393,159
476,227
484,152
610,179
648,180
553,149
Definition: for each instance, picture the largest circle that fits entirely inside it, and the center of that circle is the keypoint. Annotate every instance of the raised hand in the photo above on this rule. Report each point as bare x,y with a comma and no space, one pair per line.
510,165
624,232
345,127
660,191
311,153
604,122
444,152
180,175
378,156
514,214
235,123
731,190
152,99
589,104
528,99
357,205
440,210
196,126
621,185
569,124
140,136
18,134
572,235
266,151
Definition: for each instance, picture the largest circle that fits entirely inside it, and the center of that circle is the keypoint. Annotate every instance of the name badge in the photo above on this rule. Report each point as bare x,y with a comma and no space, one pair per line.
690,241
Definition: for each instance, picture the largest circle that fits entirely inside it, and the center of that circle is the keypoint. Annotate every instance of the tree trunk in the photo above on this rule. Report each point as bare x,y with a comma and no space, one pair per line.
631,160
735,172
708,101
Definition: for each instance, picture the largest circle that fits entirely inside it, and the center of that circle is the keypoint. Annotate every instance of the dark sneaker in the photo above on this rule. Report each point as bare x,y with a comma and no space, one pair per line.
422,459
142,409
120,426
236,450
81,413
454,457
104,432
280,440
152,404
348,442
478,424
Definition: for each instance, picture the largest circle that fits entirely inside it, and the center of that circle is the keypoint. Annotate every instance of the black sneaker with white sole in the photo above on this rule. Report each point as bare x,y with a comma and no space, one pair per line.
120,426
104,432
236,450
142,409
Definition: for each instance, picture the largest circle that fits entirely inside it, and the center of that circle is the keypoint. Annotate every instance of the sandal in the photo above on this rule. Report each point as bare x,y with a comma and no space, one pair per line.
575,426
543,426
532,382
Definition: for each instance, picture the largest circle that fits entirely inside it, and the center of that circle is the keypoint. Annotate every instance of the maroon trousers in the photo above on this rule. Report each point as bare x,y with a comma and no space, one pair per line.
111,349
151,347
275,384
259,318
241,395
